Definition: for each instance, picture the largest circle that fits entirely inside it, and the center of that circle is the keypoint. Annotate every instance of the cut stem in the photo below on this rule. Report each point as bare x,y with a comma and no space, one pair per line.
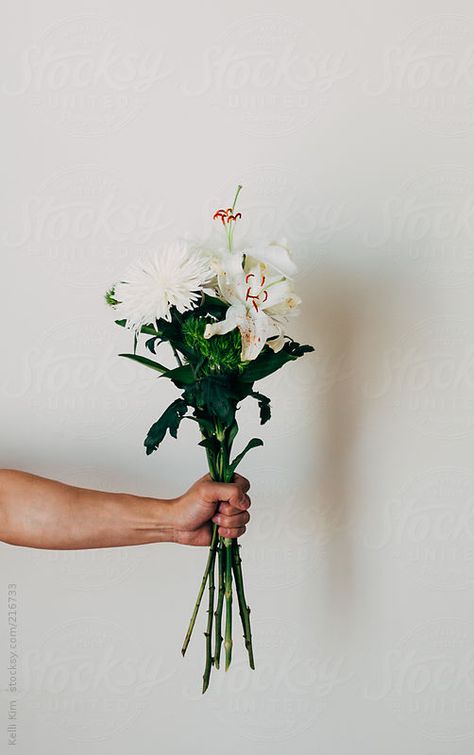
220,602
210,560
244,609
208,632
228,602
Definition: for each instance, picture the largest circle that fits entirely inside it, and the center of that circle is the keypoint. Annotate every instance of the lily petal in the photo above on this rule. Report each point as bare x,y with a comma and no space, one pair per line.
276,256
234,317
288,306
277,343
254,333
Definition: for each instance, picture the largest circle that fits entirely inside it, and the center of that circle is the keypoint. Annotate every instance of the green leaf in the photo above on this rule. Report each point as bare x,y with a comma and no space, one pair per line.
205,425
181,376
169,421
110,297
234,429
213,306
149,329
210,443
216,395
152,343
264,406
146,362
269,361
251,444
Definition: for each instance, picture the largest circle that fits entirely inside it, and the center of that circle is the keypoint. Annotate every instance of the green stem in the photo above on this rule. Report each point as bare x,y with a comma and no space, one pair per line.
178,358
208,632
209,564
244,609
228,602
239,189
220,602
226,551
230,228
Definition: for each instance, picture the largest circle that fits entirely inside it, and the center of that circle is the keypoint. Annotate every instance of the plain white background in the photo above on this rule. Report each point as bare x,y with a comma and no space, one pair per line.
350,126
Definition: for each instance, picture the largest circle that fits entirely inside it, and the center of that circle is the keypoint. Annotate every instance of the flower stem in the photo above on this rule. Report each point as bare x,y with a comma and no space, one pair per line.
239,189
208,632
228,602
209,564
226,552
244,609
220,602
230,228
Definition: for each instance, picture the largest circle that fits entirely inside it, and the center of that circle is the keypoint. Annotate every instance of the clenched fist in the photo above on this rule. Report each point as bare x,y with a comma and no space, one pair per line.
207,501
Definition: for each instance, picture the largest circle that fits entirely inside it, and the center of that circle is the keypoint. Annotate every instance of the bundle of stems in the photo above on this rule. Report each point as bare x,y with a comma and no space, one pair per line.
223,557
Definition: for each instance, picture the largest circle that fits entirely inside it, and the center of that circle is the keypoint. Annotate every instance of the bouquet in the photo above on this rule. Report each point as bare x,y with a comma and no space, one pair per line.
223,311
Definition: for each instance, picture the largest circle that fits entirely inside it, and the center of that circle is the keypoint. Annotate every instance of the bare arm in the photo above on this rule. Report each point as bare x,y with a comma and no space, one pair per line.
43,513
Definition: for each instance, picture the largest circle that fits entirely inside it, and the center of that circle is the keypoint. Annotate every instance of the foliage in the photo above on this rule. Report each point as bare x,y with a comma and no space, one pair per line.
169,421
211,376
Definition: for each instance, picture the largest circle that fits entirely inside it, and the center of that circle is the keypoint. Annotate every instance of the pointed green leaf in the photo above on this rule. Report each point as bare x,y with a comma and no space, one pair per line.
169,421
149,329
264,406
181,376
210,443
269,361
146,362
251,444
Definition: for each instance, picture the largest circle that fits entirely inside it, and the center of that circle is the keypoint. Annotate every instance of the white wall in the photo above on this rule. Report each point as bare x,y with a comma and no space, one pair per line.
350,125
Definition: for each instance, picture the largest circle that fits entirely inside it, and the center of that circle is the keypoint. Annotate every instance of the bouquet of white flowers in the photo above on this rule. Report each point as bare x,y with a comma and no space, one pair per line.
223,312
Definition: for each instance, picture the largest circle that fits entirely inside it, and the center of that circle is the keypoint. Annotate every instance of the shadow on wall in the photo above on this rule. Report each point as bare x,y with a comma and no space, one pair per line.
357,316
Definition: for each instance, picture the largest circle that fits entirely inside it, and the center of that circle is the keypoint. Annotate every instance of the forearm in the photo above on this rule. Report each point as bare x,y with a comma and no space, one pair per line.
42,513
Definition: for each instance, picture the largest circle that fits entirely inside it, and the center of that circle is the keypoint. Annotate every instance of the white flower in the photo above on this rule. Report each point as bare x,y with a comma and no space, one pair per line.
260,299
172,276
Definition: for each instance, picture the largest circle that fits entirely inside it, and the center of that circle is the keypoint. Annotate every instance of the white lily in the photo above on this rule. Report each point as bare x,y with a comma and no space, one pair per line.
260,297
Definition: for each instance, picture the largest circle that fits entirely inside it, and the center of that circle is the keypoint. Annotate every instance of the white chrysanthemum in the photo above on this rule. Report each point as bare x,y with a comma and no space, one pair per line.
172,276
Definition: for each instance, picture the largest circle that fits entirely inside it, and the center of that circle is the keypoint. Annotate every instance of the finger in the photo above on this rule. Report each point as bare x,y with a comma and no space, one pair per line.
241,481
237,520
231,531
215,492
227,509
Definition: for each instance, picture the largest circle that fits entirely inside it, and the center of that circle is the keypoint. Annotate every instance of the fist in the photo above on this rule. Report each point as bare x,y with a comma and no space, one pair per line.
224,503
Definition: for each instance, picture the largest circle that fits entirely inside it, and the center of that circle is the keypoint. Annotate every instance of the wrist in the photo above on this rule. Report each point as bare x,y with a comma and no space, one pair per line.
153,519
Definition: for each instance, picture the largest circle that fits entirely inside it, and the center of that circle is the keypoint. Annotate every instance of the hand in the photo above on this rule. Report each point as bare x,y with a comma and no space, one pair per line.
207,501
